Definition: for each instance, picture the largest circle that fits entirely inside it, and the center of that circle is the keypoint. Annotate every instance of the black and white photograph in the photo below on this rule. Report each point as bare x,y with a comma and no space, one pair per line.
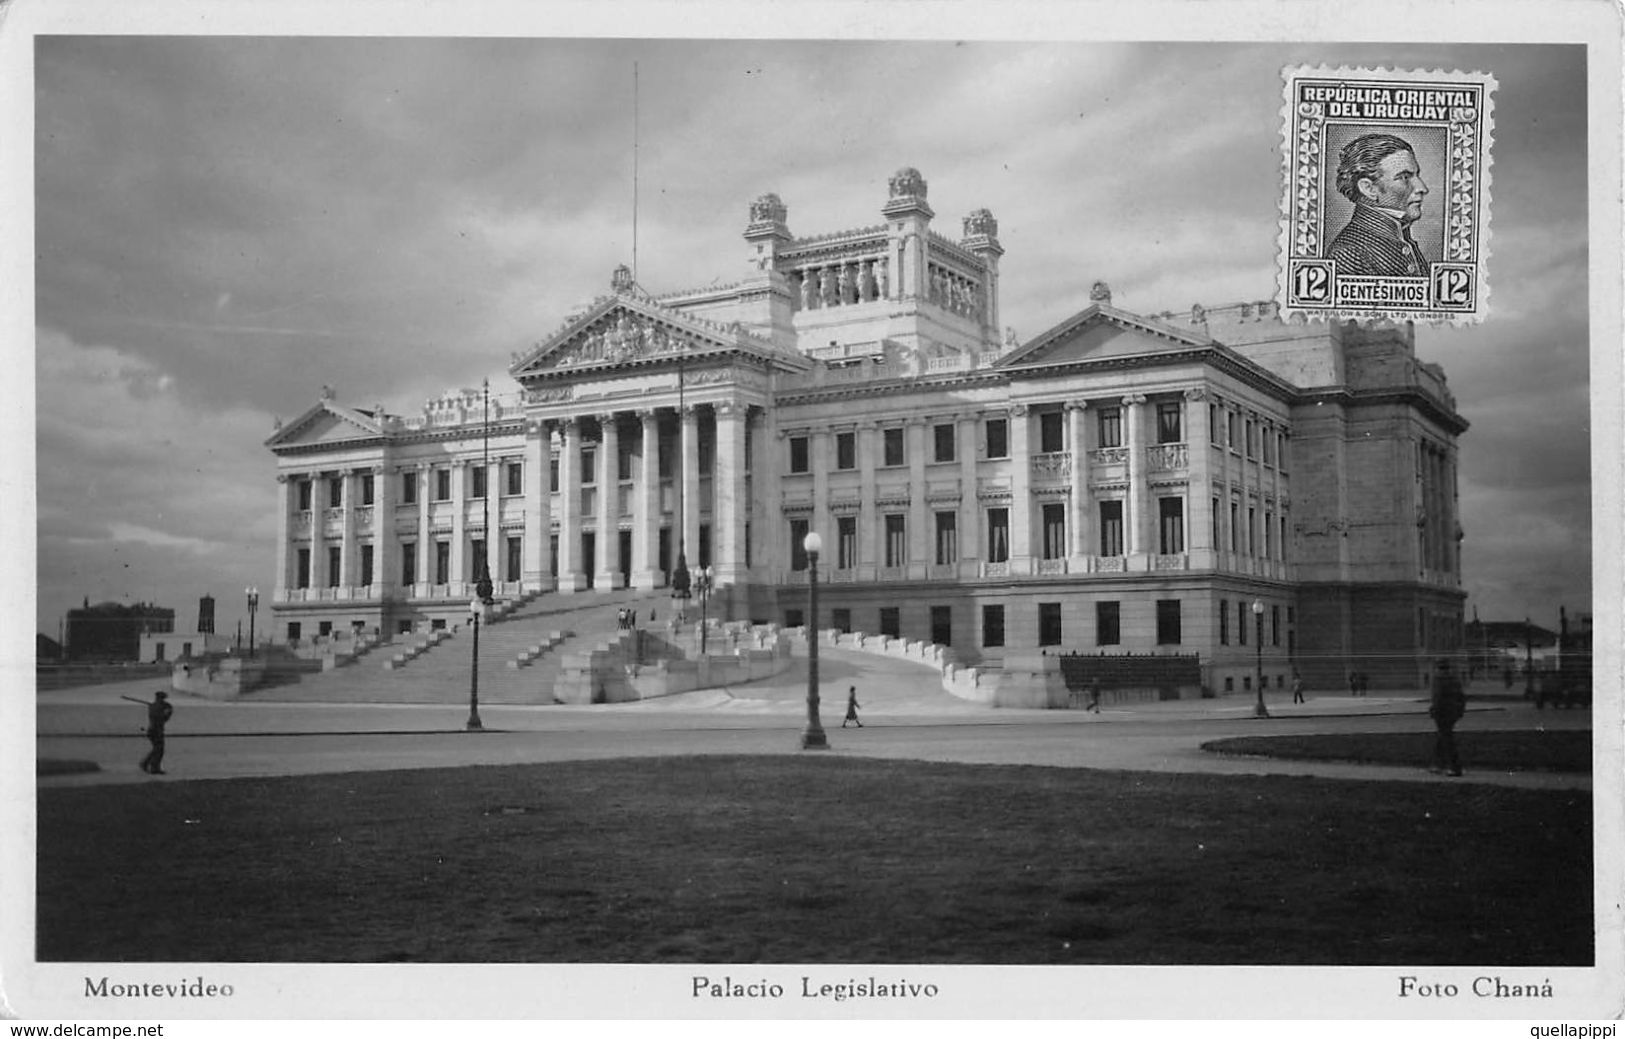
727,512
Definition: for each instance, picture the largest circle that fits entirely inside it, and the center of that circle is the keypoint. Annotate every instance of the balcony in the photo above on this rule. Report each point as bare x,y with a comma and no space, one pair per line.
1160,458
1052,467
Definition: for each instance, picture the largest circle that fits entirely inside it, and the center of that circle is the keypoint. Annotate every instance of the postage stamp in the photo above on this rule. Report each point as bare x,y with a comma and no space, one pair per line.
1385,212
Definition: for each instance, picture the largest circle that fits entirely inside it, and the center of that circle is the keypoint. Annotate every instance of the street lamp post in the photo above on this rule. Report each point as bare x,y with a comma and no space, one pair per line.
1259,711
253,606
702,587
475,609
813,738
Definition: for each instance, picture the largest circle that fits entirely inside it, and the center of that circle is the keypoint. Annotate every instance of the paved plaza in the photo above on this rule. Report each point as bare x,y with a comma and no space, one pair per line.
906,715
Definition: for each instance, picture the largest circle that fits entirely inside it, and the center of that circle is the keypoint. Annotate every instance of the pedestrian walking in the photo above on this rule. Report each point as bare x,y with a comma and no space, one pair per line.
158,714
1449,703
1354,683
1297,688
1094,695
851,707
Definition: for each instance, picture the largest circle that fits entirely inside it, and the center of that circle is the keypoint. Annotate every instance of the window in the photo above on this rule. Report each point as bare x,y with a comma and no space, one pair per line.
589,466
366,489
1241,623
798,552
1275,625
476,557
891,621
1269,447
442,485
623,462
516,477
1051,433
992,626
893,440
479,477
304,495
335,571
1217,541
841,620
1168,429
409,488
1111,427
553,474
942,625
704,451
403,627
794,618
896,539
516,559
798,454
1252,438
1171,525
1224,622
302,574
295,629
998,535
846,450
1280,451
1269,534
942,436
947,538
1108,630
1235,531
442,562
409,563
1049,624
664,456
1282,521
846,542
1111,528
1230,431
1168,622
1252,531
998,438
366,565
1213,423
324,628
335,492
1054,530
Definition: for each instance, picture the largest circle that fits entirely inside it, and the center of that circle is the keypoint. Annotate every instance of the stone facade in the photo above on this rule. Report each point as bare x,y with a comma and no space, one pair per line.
1119,483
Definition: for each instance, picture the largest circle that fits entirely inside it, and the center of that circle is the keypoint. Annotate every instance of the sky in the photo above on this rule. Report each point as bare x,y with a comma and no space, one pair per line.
223,225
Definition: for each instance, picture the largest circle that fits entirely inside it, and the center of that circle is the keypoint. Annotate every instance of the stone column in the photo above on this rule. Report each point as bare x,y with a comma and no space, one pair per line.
538,505
385,545
284,538
347,540
457,580
869,532
728,486
609,504
570,577
919,513
1199,487
646,506
1135,500
970,542
1021,508
1078,498
318,532
690,422
425,575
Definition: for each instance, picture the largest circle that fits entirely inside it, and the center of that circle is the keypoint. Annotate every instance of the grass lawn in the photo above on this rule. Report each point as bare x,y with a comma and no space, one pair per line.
813,859
1509,751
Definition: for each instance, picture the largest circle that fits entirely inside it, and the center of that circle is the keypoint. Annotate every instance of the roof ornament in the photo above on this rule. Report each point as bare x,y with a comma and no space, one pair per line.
981,222
621,279
1198,314
1100,293
907,183
768,209
327,392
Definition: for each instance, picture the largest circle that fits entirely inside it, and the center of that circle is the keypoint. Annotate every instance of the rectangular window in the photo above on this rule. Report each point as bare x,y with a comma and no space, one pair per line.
335,492
366,488
589,466
794,618
516,477
1280,451
479,477
1230,431
1217,541
442,562
1111,528
896,539
841,620
302,574
1168,622
1111,427
1168,426
552,474
846,450
1051,432
623,461
947,538
476,557
1171,525
891,621
442,485
942,625
798,455
1224,622
1252,531
846,542
1269,534
409,563
893,439
1235,529
1252,438
1275,625
1269,447
798,552
1213,423
664,456
335,569
304,495
998,438
1108,629
409,488
1049,624
998,535
942,436
1282,521
516,559
993,626
366,565
704,451
1241,623
1054,530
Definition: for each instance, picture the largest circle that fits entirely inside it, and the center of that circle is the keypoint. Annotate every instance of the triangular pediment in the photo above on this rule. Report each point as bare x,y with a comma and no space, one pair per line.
326,423
627,329
1100,333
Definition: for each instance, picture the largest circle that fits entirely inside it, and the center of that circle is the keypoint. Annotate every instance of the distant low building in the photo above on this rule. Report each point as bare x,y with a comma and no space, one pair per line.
111,631
167,646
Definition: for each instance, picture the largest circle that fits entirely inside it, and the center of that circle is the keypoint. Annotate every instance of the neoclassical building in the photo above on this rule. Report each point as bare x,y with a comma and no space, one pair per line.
1120,483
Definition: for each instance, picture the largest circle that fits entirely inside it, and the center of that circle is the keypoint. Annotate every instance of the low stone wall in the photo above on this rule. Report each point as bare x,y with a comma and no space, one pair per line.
610,672
225,679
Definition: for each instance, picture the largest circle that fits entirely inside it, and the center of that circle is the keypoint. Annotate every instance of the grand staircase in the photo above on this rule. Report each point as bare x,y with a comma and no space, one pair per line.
440,674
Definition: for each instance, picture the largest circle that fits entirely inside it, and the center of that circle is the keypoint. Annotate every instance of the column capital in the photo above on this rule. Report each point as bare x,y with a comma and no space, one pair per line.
606,418
1196,393
1076,405
283,477
730,408
648,416
1133,399
688,412
1019,410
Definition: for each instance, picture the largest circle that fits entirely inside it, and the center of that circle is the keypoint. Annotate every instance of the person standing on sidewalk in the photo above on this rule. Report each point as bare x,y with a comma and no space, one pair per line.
1094,695
1448,704
158,714
851,707
1297,688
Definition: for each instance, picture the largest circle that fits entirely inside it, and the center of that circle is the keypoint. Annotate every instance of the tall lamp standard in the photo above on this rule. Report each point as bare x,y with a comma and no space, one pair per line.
813,738
702,588
679,576
253,606
482,585
1259,711
475,609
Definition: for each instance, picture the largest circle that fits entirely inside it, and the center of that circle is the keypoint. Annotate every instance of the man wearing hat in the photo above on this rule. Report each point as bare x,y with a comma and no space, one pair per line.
158,712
